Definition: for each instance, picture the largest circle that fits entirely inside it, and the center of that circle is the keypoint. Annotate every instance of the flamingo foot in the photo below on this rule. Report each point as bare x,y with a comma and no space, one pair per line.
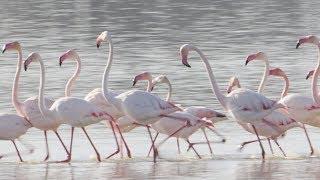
98,157
65,161
312,152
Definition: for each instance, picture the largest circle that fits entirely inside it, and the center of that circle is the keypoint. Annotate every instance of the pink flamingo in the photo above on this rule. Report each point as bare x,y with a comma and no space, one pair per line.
144,107
29,108
168,125
302,108
242,104
280,120
69,110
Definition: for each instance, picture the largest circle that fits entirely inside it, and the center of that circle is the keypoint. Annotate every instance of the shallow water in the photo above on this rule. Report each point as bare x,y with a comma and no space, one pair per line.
147,36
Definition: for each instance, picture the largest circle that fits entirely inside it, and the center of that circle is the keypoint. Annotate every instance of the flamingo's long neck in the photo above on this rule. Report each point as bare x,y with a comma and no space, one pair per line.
105,79
215,88
315,91
149,84
265,76
168,98
15,100
42,106
285,87
73,78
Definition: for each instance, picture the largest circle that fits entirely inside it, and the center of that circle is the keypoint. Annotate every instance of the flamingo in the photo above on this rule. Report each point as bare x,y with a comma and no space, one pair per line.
144,107
168,125
29,108
12,127
280,120
69,110
302,108
244,105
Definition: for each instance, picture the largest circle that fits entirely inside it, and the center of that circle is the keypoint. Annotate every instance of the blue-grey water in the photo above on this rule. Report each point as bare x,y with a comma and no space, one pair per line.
147,36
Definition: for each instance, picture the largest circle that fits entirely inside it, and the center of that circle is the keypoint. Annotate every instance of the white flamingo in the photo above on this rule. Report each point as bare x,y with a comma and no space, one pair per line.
29,108
168,125
279,120
242,104
302,108
144,107
68,110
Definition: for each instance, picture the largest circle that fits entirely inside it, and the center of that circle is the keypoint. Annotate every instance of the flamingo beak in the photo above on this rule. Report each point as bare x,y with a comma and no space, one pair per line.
298,44
25,67
134,82
152,87
185,62
250,58
3,50
60,61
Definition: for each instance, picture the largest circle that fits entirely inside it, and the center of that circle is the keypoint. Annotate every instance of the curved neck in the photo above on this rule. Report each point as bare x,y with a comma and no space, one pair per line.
41,103
215,88
314,85
265,76
285,87
73,78
105,78
168,98
15,87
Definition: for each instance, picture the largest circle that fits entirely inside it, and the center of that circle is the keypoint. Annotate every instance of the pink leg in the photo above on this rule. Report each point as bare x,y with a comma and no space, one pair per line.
71,141
65,148
261,146
153,141
115,136
47,146
178,144
284,154
121,148
95,149
155,151
205,135
309,141
271,149
124,141
248,142
194,150
17,150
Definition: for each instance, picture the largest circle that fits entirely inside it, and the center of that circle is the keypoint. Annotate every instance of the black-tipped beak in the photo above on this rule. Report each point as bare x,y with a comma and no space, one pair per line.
134,82
297,46
186,64
98,45
221,115
247,61
152,88
60,62
3,50
25,67
308,76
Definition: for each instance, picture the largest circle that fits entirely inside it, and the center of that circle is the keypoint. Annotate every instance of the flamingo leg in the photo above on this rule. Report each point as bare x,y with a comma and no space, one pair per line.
71,141
121,148
194,150
271,149
47,146
154,140
284,154
65,148
95,149
261,146
208,142
217,133
248,142
178,144
155,151
17,150
115,136
124,141
309,141
182,127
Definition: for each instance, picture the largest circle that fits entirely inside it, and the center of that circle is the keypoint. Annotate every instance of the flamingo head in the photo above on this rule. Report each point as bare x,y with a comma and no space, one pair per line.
184,51
32,57
142,76
104,36
277,72
311,39
310,74
233,82
11,46
70,54
256,56
159,80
